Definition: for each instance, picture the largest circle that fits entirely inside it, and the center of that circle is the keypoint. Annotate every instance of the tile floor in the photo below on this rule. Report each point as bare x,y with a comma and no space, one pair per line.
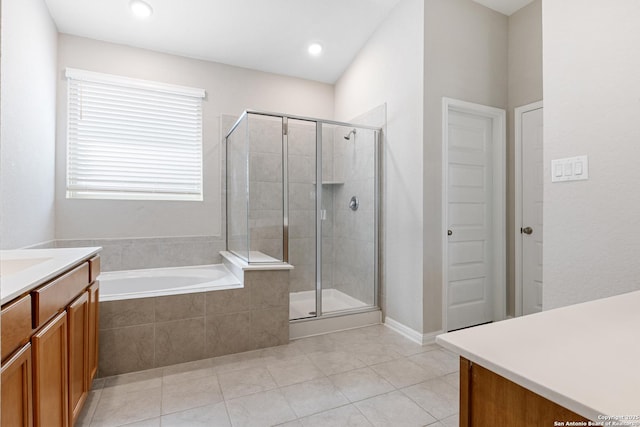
362,377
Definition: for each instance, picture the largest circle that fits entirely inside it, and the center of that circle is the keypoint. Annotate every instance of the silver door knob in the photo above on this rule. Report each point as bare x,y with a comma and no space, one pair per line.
526,230
449,232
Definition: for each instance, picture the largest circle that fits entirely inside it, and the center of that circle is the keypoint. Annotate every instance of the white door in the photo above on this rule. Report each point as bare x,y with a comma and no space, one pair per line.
469,198
531,233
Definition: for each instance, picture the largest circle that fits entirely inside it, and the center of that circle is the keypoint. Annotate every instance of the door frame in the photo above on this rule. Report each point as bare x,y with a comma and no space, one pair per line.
498,119
518,112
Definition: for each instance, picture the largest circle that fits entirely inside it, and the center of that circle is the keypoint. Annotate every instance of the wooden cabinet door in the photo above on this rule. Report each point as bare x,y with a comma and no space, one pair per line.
17,392
50,391
488,399
78,321
93,330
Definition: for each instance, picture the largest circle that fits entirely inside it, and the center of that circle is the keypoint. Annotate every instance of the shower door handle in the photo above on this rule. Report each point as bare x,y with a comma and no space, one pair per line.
354,203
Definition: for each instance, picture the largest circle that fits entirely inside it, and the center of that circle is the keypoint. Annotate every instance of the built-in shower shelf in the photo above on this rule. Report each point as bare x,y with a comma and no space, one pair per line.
331,183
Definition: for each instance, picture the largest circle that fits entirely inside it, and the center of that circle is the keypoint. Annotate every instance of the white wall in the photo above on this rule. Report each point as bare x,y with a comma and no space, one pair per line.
591,73
389,69
465,57
525,55
28,92
524,87
229,89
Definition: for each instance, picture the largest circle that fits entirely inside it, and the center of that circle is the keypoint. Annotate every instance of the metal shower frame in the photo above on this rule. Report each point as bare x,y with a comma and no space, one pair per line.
285,184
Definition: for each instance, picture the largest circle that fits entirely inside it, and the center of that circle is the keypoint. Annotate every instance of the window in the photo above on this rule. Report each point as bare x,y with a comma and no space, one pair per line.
132,139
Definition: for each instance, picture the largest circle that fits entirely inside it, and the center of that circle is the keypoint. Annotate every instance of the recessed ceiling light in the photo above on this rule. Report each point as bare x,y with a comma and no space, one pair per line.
140,9
315,49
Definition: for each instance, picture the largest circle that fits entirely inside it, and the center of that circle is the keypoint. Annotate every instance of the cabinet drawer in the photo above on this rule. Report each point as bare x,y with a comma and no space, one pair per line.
94,268
50,299
16,325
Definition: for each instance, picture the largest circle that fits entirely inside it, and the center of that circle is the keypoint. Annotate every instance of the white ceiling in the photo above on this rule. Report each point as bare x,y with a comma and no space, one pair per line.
506,7
264,35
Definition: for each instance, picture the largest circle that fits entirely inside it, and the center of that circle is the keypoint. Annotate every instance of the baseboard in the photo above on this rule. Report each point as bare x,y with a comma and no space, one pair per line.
430,338
412,334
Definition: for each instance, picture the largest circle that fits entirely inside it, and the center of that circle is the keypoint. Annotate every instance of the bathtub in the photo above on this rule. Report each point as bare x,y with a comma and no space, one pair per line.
164,316
155,282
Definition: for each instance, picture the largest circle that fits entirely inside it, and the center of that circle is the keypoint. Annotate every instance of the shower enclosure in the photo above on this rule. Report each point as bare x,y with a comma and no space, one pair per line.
305,191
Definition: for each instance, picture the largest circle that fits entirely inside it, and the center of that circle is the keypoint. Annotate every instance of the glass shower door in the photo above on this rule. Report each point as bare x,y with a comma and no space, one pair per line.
332,235
301,224
348,215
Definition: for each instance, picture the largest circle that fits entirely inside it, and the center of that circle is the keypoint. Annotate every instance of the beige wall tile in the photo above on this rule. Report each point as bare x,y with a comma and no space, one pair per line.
183,328
179,341
118,314
228,333
229,301
268,289
270,327
126,350
177,307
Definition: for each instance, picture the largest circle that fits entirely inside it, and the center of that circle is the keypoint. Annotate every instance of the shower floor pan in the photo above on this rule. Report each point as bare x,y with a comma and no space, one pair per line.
303,304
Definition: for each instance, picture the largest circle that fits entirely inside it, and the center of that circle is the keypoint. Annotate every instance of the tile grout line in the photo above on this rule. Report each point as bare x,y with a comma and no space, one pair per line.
93,413
304,355
419,405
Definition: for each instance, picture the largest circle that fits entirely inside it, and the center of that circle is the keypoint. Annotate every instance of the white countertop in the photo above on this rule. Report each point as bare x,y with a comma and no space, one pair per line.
24,269
584,357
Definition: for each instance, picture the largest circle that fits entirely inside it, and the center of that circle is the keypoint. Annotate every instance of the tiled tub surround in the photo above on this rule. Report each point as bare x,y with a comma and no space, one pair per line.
362,377
144,333
153,252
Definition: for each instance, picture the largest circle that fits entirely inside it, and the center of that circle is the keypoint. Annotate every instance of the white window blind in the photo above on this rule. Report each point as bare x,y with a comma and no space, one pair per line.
132,139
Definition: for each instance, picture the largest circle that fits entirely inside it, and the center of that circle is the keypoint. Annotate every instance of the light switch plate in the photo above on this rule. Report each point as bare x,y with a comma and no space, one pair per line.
570,169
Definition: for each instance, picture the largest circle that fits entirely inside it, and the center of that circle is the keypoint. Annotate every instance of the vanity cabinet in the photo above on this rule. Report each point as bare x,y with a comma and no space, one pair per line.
49,349
17,389
488,399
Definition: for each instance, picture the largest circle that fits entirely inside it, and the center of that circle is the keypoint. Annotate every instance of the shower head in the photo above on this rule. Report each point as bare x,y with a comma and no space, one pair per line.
348,136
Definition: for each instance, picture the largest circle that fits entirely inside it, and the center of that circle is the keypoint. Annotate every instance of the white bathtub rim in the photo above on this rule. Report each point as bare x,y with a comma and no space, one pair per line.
229,281
153,269
169,292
